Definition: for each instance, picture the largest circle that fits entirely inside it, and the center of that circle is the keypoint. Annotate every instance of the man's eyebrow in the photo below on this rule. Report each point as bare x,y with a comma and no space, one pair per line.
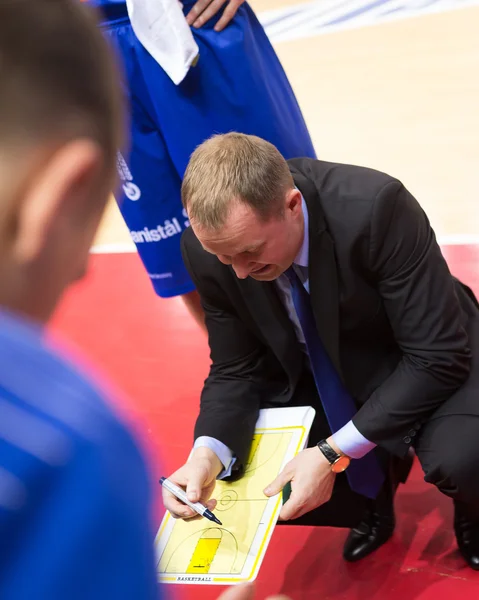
246,249
252,247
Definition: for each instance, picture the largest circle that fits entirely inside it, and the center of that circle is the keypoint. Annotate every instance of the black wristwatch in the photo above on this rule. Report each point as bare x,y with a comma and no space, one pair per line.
338,462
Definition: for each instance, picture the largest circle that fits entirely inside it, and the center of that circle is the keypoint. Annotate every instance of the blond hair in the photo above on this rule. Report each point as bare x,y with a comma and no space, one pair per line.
234,167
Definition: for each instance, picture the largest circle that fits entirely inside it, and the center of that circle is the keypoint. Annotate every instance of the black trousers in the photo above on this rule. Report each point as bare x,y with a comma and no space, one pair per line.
448,450
447,447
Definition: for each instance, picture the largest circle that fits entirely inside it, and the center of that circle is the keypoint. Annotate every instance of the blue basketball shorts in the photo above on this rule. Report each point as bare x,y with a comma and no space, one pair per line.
238,84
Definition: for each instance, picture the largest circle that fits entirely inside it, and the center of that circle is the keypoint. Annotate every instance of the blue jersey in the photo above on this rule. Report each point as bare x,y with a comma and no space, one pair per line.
74,494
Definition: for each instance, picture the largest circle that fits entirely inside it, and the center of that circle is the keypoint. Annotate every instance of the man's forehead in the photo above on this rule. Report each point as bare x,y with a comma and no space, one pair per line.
237,235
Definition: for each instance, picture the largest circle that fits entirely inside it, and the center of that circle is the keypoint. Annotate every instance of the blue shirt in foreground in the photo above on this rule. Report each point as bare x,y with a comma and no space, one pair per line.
74,492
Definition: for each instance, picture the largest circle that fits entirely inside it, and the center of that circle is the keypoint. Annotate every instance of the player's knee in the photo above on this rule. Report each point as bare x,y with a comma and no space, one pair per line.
192,302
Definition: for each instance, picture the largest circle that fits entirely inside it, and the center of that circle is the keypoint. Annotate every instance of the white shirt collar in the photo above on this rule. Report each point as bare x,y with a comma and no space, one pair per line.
302,258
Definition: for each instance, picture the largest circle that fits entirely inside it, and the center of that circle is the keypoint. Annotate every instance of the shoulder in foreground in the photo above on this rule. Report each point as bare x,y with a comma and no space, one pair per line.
40,383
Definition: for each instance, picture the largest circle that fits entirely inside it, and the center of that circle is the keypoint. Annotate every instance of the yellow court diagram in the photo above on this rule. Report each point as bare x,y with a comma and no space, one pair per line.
200,551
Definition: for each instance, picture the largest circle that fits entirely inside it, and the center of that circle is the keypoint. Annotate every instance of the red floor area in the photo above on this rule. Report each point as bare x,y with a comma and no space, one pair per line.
151,349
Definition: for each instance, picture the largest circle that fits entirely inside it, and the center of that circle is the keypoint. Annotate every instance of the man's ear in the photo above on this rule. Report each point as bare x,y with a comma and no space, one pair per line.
62,188
293,202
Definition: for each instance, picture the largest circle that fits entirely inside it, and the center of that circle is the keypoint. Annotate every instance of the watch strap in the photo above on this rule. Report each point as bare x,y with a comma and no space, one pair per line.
331,455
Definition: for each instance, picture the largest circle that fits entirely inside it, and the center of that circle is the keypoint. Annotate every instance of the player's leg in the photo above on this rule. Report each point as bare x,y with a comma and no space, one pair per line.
238,84
153,212
150,192
192,302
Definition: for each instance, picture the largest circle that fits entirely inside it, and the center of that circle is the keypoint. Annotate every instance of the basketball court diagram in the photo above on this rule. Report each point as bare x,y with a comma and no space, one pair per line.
202,552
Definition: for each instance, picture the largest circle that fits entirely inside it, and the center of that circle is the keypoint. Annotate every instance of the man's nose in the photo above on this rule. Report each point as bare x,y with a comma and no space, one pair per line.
241,272
242,268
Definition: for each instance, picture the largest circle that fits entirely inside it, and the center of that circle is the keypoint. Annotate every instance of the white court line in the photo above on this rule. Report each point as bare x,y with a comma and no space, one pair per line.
458,240
123,248
445,240
313,18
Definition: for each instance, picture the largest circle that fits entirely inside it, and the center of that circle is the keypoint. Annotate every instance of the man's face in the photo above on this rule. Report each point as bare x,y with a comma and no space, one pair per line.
253,247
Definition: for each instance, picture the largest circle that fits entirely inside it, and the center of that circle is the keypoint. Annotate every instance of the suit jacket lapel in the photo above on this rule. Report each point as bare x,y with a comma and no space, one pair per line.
323,286
323,277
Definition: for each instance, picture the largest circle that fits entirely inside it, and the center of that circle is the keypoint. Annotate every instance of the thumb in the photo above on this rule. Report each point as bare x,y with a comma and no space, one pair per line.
193,490
196,482
238,592
278,484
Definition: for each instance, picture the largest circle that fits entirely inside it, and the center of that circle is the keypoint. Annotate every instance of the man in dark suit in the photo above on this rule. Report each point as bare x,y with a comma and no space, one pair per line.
323,285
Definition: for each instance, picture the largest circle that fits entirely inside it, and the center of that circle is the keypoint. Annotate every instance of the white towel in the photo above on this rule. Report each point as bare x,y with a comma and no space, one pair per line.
162,29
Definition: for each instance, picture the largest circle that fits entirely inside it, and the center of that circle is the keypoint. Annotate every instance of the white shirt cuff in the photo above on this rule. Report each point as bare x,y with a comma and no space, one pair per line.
222,452
351,442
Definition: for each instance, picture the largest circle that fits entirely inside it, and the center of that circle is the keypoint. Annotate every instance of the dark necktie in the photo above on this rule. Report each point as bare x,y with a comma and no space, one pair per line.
364,475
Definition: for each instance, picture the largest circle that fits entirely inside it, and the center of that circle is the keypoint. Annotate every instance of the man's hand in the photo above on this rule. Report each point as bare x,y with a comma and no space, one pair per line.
198,478
245,592
312,483
203,10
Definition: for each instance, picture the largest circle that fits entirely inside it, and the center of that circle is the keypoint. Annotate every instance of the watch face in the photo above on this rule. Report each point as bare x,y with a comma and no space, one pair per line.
341,464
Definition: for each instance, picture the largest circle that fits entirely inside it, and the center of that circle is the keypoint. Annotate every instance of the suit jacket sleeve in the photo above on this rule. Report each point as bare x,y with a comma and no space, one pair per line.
419,297
230,399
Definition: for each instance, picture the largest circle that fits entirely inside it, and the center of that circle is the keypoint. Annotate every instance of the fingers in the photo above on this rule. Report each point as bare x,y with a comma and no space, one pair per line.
196,10
202,11
305,497
178,510
293,509
175,507
194,488
239,592
211,504
208,13
195,478
228,14
278,484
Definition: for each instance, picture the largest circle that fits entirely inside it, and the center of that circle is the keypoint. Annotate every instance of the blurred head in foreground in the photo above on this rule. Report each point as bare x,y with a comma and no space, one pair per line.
60,118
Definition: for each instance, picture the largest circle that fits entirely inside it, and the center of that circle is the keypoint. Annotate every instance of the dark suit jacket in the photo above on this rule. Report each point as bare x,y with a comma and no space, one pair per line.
394,321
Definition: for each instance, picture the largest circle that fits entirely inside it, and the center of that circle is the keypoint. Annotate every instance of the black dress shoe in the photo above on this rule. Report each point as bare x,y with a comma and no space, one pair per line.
379,521
375,529
467,535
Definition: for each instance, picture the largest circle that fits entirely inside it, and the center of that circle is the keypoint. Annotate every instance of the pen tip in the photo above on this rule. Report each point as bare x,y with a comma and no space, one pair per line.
162,479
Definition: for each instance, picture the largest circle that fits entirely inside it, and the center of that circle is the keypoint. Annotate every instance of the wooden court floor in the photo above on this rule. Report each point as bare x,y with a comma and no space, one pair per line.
400,96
